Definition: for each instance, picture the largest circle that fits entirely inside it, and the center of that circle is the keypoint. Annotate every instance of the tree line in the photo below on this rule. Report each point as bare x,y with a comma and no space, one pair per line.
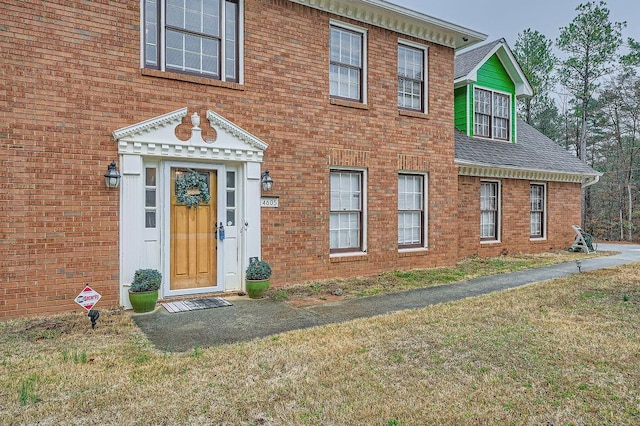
586,97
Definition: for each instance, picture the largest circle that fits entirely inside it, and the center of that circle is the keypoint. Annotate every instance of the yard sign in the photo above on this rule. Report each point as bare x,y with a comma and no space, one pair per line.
88,298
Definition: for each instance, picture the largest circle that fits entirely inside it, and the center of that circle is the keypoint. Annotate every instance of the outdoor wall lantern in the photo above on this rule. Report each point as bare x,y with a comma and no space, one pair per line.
112,177
267,182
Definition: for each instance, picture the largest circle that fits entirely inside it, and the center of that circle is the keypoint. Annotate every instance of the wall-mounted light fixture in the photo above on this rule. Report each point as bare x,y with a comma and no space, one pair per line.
267,182
112,177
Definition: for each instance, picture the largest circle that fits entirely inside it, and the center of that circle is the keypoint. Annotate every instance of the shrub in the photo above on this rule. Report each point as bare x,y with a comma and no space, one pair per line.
258,270
146,280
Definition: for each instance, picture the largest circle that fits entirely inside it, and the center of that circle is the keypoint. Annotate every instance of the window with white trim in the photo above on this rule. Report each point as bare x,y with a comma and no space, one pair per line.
489,211
411,210
150,197
231,198
347,63
491,114
537,213
346,217
198,37
412,82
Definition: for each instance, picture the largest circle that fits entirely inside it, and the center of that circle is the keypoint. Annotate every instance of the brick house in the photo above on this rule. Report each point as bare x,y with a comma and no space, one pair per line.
348,104
519,189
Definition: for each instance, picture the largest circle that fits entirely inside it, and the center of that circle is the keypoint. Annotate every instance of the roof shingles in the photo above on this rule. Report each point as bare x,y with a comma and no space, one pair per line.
533,151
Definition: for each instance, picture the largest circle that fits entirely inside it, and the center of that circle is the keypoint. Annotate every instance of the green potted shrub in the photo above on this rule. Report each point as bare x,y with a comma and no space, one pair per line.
257,278
143,293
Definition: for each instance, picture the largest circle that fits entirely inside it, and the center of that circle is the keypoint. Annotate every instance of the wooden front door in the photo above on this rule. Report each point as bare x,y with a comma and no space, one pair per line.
193,242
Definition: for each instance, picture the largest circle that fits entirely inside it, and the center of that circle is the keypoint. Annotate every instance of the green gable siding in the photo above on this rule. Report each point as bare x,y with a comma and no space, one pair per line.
460,108
493,76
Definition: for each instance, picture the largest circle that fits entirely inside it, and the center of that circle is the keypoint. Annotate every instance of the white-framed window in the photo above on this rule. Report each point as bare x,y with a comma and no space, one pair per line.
412,76
347,216
232,199
150,197
347,62
200,37
538,207
491,114
489,211
412,217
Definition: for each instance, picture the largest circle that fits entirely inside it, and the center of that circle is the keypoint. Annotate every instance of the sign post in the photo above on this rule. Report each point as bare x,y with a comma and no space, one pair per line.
87,298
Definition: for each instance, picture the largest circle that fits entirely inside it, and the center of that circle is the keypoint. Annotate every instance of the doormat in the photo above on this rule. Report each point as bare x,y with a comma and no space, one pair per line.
195,305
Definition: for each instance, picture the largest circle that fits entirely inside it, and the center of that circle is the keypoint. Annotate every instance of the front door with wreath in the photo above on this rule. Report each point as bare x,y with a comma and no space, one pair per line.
193,218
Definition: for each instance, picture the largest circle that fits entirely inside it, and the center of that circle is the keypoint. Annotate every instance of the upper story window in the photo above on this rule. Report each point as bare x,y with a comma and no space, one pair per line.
193,36
491,114
412,67
347,63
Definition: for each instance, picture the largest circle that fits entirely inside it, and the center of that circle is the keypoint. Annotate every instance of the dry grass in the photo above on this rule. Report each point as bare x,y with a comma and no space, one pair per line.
406,280
561,352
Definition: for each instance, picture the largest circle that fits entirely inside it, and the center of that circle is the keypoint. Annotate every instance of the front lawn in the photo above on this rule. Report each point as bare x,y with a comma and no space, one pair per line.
565,351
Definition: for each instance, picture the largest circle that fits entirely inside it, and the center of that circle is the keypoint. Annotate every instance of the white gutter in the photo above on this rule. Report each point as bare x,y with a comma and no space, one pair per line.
468,168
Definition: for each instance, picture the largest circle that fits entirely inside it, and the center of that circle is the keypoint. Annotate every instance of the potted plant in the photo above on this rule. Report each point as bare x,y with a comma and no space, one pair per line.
143,293
257,278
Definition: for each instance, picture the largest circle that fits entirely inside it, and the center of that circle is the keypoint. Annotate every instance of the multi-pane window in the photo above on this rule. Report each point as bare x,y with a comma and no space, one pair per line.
346,66
537,202
231,198
345,224
200,37
491,114
150,197
489,205
410,211
500,116
411,78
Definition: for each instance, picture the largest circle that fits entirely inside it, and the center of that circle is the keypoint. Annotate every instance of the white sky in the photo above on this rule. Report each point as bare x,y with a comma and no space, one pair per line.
508,18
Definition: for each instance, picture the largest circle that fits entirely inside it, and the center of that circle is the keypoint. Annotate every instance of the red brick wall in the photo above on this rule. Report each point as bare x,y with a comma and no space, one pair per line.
563,210
71,76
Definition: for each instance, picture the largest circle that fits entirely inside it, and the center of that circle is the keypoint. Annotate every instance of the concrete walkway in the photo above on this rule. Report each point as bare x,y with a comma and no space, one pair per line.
249,319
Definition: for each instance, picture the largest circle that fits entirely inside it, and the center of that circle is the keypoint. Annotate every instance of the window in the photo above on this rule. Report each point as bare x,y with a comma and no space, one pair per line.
491,114
489,205
345,227
346,68
411,217
537,210
231,198
411,78
193,36
150,197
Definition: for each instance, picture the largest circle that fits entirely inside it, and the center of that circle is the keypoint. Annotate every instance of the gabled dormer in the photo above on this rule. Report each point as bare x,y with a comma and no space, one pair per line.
487,83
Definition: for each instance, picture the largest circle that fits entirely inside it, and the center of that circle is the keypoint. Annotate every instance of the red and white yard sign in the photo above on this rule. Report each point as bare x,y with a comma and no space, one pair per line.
88,298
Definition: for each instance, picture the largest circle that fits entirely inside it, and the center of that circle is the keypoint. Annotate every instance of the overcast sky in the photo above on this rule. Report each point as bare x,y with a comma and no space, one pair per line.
508,18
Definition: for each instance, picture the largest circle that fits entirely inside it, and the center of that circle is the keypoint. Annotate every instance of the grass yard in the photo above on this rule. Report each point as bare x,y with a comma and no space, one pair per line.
313,292
561,352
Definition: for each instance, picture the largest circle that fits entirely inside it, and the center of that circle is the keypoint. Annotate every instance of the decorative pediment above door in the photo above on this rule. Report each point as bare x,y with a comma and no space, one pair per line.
157,137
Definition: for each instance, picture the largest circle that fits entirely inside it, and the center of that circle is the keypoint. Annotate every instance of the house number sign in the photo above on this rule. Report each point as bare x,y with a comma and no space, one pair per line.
269,202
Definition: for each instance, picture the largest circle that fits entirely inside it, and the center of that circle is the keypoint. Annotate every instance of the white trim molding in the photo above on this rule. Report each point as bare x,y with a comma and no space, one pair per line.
510,64
507,172
399,19
157,137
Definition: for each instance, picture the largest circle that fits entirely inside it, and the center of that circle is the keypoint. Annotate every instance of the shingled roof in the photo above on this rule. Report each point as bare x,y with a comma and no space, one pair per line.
533,153
466,61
